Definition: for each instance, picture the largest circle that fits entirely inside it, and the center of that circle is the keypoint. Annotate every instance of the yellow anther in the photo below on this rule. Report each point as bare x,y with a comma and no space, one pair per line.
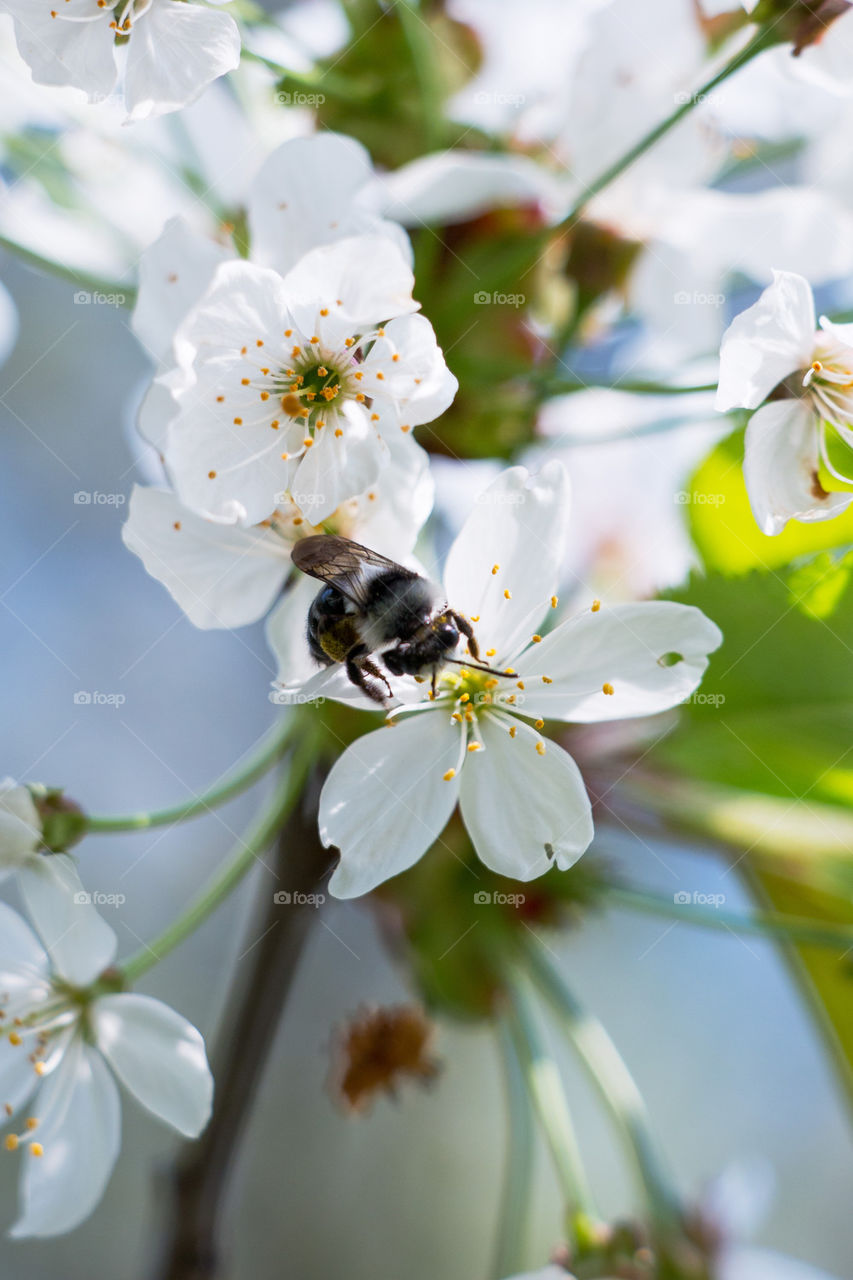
466,697
32,1123
547,680
513,731
10,1142
39,1068
540,748
520,684
495,568
475,746
507,595
14,1038
37,1149
607,688
244,382
596,605
338,432
540,724
490,653
536,638
451,773
554,602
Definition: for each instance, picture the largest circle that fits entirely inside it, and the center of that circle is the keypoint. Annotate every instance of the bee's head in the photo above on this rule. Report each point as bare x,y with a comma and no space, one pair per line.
447,634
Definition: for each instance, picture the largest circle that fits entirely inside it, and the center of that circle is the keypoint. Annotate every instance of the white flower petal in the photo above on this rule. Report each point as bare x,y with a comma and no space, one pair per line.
414,375
765,343
78,49
221,575
174,274
80,1130
22,957
287,214
174,52
361,281
159,1056
764,1264
517,803
337,467
453,186
652,654
20,827
519,525
780,467
80,943
386,800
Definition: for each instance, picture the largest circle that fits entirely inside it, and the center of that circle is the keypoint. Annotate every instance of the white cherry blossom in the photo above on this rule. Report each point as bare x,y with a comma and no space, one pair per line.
223,575
305,383
798,377
479,742
168,50
65,1038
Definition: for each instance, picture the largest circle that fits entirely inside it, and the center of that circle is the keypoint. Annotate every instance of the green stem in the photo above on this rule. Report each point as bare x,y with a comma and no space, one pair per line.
242,859
84,280
799,929
515,1198
762,39
615,1085
542,1078
419,40
565,386
270,749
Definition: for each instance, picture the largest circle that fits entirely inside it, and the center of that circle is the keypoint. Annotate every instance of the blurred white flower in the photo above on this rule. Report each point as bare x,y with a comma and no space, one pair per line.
798,460
390,794
223,575
60,1037
168,51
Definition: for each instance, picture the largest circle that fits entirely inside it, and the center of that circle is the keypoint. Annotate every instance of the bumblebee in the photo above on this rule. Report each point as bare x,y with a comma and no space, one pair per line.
370,605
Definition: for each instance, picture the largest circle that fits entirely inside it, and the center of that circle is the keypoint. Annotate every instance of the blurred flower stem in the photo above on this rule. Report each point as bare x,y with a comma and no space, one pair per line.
543,1082
512,1221
243,858
762,39
420,42
565,386
268,751
254,1006
82,280
615,1085
772,924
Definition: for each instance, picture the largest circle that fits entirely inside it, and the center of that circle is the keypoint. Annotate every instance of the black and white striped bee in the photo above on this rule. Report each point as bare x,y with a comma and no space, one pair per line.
373,606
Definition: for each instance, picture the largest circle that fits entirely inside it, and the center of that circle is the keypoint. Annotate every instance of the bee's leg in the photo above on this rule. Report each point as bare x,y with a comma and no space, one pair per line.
359,666
433,681
468,632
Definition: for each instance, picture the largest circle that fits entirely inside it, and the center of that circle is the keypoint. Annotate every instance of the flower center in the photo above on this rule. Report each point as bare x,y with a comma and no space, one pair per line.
829,381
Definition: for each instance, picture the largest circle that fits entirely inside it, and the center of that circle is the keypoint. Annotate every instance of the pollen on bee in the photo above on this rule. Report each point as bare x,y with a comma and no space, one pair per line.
540,748
451,773
607,688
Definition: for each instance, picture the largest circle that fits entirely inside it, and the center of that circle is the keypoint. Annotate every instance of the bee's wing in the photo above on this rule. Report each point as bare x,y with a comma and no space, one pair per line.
341,564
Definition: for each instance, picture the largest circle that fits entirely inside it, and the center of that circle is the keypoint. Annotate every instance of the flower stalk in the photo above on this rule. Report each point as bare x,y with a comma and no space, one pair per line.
515,1197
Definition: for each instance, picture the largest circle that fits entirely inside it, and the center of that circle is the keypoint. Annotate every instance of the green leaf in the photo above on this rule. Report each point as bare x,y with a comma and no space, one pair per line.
840,458
723,527
774,714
